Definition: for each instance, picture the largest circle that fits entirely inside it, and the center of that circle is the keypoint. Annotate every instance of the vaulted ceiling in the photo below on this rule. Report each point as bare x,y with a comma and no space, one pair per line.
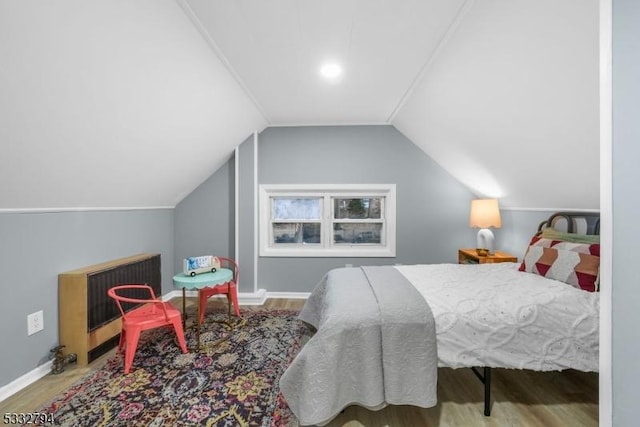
278,47
133,103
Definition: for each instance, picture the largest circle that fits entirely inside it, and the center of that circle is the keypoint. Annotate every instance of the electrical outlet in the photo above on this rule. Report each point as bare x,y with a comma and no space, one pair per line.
35,322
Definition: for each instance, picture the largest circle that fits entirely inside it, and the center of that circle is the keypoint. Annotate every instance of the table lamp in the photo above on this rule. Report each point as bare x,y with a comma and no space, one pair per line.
485,213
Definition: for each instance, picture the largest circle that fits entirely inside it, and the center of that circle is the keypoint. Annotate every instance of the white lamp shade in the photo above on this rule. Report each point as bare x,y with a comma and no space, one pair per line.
485,213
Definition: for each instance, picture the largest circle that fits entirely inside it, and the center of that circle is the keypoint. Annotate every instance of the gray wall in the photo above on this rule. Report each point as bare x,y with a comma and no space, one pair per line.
204,220
431,207
626,212
518,226
36,247
246,206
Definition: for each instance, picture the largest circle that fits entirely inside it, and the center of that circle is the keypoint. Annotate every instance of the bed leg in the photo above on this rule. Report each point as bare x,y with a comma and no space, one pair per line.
485,378
487,391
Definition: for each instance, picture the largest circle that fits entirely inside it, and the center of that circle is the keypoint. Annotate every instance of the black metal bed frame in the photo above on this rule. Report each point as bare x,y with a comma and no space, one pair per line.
592,220
485,378
593,227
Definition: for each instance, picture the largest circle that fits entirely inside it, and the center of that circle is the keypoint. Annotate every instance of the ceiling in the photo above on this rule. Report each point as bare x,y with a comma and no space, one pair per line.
483,87
276,48
134,103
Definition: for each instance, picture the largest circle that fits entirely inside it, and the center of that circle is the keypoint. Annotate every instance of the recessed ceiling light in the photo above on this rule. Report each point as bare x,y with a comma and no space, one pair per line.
331,71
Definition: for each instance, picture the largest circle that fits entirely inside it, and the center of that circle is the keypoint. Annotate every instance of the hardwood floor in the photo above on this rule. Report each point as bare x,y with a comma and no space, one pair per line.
520,398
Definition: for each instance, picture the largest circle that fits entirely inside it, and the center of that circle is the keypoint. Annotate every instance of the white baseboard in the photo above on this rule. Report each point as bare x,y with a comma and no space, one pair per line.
30,377
252,298
289,295
244,298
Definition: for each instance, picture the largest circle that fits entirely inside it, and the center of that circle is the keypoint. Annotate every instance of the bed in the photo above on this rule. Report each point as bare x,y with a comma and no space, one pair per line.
383,331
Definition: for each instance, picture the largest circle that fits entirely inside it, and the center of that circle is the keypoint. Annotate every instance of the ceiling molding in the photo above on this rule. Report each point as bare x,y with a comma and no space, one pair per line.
520,209
453,27
82,209
326,124
218,52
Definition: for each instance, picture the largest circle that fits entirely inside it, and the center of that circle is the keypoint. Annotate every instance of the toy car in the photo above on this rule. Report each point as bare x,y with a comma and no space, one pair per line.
200,264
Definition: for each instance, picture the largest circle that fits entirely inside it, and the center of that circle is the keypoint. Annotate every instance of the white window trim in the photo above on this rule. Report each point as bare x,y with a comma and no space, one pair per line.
388,191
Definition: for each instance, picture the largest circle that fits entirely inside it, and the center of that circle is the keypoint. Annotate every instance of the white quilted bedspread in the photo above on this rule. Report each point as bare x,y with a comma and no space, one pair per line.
494,315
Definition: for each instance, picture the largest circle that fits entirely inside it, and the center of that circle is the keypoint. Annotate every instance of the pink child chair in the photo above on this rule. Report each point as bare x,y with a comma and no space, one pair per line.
153,314
230,289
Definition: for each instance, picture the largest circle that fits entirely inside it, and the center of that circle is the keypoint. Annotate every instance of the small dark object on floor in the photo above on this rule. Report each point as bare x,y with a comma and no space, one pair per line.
60,360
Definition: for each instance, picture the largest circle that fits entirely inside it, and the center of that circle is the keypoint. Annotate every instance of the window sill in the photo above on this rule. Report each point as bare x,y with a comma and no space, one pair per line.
348,251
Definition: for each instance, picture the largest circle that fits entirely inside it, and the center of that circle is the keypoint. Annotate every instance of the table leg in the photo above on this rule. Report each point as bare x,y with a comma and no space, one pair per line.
229,303
198,323
184,308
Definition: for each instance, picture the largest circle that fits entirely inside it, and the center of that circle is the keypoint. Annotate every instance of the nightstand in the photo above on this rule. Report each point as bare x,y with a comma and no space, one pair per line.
469,256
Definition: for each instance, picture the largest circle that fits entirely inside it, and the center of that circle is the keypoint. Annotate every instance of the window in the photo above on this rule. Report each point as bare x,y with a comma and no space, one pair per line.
327,221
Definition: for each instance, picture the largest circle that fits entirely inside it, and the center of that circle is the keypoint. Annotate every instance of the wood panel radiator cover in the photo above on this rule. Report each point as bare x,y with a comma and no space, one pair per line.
89,321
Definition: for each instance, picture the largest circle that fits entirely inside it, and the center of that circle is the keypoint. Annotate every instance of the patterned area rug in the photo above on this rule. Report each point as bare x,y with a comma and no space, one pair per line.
228,383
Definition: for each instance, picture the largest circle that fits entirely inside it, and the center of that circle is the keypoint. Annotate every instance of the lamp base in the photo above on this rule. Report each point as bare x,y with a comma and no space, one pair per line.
485,241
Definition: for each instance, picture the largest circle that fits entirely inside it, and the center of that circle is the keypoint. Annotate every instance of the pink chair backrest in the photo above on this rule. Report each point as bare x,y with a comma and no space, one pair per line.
229,263
119,299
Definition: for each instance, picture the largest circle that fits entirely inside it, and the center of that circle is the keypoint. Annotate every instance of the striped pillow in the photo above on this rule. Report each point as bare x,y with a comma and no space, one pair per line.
552,233
576,264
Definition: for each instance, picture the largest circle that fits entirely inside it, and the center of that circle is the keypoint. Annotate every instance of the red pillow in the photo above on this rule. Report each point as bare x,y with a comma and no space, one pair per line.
577,264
